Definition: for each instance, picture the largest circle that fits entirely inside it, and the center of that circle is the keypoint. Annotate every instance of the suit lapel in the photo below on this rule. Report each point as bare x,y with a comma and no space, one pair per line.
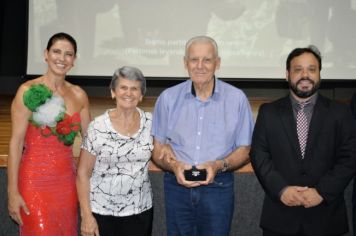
316,123
289,124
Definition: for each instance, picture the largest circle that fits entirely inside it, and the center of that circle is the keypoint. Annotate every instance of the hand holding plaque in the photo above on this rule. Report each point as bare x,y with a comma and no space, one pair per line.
195,174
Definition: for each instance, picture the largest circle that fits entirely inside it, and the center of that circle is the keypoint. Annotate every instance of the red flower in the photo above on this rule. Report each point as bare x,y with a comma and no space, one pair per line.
46,131
75,122
75,128
66,129
63,127
75,118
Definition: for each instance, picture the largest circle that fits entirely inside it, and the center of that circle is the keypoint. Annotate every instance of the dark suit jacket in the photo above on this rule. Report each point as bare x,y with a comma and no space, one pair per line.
328,166
353,105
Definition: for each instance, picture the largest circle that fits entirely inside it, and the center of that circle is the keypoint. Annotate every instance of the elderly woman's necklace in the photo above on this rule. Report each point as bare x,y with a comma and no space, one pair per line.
131,127
126,127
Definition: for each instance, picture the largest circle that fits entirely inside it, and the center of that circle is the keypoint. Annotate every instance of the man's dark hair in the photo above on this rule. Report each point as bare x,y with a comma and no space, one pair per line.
299,51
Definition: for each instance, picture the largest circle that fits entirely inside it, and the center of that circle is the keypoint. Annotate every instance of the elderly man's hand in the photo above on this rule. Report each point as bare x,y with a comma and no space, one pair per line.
166,152
178,168
212,167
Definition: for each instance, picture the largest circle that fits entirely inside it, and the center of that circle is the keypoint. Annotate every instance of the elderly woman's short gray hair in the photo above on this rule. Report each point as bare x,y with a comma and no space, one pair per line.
130,73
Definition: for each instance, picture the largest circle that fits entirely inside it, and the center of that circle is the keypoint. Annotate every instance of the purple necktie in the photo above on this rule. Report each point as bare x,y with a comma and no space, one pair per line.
302,127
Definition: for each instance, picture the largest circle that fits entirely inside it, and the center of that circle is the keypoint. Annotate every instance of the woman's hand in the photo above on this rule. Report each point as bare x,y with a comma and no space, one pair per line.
15,204
89,226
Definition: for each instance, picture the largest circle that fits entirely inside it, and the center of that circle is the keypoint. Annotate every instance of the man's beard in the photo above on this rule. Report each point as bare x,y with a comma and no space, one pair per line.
301,93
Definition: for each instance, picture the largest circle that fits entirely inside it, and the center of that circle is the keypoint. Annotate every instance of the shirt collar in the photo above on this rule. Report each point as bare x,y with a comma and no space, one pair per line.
191,89
311,101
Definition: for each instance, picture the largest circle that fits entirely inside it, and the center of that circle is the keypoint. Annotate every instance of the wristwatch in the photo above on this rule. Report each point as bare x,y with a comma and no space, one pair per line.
225,165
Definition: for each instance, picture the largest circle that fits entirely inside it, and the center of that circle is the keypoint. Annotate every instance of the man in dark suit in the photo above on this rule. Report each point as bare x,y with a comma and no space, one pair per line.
304,155
353,110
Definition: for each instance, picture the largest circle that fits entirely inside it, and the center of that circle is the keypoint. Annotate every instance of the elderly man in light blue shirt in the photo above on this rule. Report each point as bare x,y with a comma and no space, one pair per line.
204,124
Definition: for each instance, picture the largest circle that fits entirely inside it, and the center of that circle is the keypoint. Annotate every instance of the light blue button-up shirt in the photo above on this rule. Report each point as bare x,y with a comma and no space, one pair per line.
201,131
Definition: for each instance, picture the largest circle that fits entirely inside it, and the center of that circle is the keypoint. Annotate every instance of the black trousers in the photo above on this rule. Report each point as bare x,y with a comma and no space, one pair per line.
135,225
354,208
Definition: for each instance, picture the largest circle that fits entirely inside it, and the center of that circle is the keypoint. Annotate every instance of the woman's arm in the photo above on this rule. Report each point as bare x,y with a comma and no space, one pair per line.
89,225
19,121
84,113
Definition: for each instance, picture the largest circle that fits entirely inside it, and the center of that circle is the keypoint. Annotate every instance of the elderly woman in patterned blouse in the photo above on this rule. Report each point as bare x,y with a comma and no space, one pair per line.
113,186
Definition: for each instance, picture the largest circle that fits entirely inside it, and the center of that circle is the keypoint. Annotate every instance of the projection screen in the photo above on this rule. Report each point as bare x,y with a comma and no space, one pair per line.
254,36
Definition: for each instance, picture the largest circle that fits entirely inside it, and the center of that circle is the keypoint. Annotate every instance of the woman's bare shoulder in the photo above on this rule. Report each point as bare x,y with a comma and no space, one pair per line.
76,89
78,92
26,85
31,82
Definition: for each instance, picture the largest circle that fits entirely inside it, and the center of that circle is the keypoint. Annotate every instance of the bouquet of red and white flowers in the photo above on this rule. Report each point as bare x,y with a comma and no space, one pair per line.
49,114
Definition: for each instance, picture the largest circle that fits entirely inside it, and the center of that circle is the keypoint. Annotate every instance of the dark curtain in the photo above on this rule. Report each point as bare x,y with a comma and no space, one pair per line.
13,37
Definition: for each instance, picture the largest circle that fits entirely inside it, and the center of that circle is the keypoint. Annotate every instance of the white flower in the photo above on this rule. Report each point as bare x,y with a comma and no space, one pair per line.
47,113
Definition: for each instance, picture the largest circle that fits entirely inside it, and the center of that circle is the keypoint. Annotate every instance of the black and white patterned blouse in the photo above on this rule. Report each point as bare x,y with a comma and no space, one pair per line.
119,185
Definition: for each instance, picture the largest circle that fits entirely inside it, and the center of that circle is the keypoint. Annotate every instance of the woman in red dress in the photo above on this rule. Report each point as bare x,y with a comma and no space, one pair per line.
46,114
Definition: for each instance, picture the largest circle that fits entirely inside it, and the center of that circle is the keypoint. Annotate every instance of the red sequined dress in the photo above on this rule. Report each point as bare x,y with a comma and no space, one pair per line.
47,184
